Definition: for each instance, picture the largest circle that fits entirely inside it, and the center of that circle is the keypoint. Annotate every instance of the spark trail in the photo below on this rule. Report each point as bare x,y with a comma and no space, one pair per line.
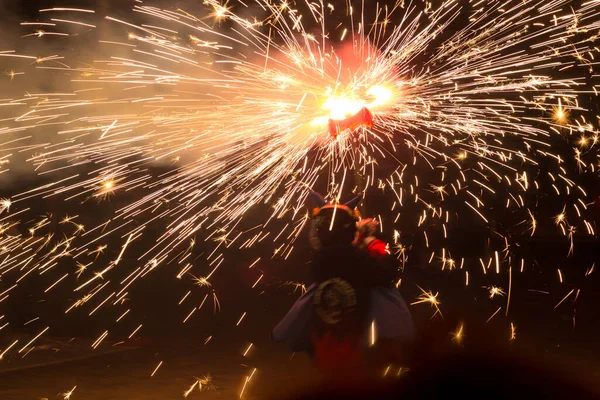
235,105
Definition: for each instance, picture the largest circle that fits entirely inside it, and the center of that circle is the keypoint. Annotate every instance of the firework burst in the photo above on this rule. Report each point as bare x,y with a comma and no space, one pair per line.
255,102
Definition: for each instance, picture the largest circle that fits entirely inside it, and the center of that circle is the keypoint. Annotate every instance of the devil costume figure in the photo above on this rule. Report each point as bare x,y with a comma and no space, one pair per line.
353,275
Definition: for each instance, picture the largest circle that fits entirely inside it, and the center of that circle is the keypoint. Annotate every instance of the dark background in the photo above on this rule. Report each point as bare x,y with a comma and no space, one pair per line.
541,327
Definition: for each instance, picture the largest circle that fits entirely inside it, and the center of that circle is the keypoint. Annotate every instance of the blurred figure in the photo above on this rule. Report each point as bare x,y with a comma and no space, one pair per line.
353,308
482,368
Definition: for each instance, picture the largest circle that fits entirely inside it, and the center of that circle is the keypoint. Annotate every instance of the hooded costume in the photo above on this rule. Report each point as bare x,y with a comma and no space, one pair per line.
353,275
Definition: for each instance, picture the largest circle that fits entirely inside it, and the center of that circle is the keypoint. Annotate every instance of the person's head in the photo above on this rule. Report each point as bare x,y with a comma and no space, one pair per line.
333,224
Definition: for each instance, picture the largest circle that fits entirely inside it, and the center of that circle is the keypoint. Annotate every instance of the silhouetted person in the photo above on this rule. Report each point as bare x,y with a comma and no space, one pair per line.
353,274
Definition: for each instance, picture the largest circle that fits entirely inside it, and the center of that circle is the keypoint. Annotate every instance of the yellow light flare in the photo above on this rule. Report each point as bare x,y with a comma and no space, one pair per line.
67,395
341,107
5,205
429,297
495,291
458,335
220,12
560,114
108,185
201,281
381,95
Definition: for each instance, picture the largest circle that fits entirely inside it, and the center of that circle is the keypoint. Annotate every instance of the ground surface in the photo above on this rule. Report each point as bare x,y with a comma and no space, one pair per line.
122,372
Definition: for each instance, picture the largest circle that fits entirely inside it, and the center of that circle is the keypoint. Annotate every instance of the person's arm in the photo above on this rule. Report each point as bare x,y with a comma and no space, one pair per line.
385,266
376,247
